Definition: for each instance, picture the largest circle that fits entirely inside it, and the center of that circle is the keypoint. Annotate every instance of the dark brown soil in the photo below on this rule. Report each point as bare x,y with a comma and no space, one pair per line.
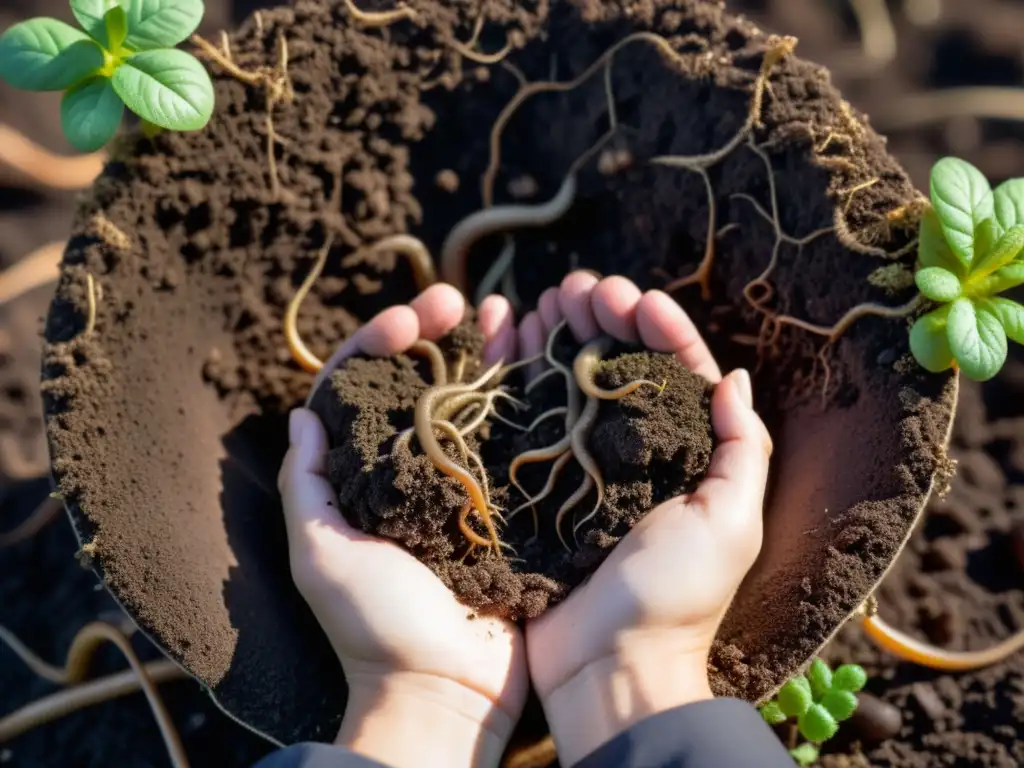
650,447
167,424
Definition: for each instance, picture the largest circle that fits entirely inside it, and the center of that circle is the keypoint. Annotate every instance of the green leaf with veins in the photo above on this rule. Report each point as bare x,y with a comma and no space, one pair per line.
976,338
90,114
91,14
1001,253
154,24
169,88
999,281
938,284
930,346
47,55
985,236
116,22
1010,315
962,199
932,248
1008,200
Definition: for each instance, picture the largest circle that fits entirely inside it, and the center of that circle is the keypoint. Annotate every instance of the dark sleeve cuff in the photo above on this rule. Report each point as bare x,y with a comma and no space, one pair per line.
316,756
706,734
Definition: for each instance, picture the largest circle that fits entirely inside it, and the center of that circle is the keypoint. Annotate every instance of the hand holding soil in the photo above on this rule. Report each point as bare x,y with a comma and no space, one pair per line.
414,663
648,615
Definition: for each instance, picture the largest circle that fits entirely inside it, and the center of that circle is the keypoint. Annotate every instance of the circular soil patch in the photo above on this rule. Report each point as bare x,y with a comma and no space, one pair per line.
167,420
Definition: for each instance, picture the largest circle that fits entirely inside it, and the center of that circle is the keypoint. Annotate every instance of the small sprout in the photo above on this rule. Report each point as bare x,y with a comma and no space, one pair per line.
795,697
125,57
818,702
805,755
820,677
970,246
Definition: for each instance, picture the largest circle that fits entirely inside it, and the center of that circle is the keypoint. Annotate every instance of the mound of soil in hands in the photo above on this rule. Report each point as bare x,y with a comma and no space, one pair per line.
649,446
167,426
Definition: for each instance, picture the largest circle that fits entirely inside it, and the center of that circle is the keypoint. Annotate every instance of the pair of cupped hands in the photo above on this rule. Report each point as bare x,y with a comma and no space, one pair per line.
432,685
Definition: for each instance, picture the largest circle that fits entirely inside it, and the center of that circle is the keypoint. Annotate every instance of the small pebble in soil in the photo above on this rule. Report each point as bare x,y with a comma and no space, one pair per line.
926,697
447,180
875,720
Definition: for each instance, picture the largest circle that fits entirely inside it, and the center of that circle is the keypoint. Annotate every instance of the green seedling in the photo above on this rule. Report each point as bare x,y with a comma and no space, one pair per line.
969,252
125,57
817,702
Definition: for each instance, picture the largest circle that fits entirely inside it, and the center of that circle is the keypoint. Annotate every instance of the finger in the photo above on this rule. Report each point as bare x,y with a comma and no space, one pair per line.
496,321
440,308
614,302
665,327
549,310
734,488
308,499
532,340
574,302
392,331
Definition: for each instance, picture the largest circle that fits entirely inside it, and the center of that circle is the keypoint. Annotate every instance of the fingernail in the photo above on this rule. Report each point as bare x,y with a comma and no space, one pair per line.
744,387
296,426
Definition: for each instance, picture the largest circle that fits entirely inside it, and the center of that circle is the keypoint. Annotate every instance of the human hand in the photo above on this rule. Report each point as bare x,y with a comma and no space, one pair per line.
634,639
427,686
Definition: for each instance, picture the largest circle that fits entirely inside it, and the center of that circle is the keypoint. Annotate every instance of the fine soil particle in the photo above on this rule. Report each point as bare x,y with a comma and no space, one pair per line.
649,447
166,425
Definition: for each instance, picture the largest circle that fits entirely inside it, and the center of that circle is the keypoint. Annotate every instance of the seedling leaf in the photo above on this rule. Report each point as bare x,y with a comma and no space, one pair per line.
91,14
154,24
90,114
820,677
1001,280
840,704
1010,315
977,340
929,344
932,248
938,284
116,21
804,755
985,236
169,88
1009,203
849,677
45,54
795,696
1003,252
963,199
817,724
772,714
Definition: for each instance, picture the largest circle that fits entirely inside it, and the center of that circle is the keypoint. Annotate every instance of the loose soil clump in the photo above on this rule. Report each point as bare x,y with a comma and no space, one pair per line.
649,447
764,211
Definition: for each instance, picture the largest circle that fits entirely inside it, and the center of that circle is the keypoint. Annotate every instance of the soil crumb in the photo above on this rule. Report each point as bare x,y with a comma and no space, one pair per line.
650,446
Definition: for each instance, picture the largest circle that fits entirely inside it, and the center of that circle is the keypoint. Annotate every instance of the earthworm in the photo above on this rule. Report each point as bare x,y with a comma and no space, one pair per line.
300,352
580,436
415,252
76,668
45,168
549,485
578,495
425,433
40,267
585,364
496,272
911,649
433,353
379,18
455,250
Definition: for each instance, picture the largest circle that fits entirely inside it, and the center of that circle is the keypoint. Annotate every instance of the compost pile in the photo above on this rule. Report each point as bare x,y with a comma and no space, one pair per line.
956,583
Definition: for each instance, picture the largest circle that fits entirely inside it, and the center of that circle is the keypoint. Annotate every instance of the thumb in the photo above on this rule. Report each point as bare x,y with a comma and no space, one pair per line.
733,491
309,501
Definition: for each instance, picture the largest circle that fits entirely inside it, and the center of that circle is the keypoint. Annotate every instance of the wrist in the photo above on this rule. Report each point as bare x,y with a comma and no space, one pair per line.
410,719
610,695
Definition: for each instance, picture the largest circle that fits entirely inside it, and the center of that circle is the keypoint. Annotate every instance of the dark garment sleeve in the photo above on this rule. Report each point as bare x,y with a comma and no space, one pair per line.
717,733
316,756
